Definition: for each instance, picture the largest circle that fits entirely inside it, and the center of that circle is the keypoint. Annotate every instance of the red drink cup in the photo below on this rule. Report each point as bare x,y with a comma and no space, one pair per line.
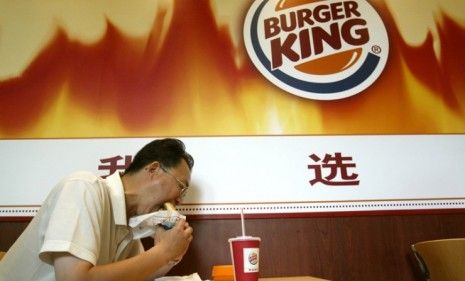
245,257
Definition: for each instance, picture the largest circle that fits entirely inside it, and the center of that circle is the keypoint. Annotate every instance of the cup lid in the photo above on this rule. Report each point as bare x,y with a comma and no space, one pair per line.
239,238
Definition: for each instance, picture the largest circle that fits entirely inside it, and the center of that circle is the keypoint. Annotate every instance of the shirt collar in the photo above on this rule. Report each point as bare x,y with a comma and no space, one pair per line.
118,203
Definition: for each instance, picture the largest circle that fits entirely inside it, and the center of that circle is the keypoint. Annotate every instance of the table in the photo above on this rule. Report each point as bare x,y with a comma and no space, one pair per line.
225,273
295,278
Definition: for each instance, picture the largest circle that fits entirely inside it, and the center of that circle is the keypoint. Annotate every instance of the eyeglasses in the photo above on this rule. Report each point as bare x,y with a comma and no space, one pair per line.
182,186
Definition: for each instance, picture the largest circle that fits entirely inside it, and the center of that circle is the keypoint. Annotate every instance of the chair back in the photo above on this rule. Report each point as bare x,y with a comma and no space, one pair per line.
441,260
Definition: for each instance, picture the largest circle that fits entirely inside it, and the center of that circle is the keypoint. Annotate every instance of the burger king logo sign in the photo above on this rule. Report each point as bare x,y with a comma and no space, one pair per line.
317,49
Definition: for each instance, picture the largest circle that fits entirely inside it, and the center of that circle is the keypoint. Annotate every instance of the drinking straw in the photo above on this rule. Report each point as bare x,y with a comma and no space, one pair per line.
242,222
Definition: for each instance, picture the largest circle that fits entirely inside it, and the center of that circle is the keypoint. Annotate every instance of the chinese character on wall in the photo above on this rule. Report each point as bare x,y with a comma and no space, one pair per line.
334,170
113,164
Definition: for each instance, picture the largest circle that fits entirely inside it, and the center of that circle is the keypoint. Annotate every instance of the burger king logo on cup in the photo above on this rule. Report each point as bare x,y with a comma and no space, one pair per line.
317,49
253,258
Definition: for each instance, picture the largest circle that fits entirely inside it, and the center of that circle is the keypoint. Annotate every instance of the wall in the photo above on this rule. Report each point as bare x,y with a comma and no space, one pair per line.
337,248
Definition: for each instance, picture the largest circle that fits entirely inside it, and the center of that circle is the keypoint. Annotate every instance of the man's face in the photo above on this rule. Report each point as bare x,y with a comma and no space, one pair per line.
165,185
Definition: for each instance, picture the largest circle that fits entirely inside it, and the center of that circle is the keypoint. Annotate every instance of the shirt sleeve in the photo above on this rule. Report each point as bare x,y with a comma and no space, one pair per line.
77,210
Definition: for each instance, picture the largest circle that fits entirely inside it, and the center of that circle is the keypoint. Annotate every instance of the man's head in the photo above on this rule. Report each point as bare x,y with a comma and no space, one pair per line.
159,173
168,152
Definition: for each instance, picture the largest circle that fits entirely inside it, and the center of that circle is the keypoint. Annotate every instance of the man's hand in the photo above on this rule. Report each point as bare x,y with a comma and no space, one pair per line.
176,240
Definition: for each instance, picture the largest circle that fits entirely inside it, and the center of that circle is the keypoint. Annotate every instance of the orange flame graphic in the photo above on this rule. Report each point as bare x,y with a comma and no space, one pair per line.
188,83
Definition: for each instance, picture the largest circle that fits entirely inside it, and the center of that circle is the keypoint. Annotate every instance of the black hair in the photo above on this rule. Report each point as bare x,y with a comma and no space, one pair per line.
169,152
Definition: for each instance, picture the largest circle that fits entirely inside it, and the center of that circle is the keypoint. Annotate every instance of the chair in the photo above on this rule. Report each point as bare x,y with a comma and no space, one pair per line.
441,260
2,254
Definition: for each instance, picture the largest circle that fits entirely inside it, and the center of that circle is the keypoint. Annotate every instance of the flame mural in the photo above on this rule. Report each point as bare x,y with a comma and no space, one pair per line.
161,68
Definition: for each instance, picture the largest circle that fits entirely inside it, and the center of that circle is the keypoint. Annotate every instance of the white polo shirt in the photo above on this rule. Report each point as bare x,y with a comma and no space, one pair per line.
84,215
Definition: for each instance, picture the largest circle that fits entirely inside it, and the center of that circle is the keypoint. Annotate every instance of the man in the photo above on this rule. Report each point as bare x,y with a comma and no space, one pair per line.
81,231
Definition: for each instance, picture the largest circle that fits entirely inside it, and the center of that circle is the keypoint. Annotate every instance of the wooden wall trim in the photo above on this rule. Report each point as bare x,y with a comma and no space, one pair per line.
337,248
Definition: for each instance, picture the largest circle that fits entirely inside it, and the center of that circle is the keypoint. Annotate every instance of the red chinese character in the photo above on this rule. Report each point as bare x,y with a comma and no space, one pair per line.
334,165
112,164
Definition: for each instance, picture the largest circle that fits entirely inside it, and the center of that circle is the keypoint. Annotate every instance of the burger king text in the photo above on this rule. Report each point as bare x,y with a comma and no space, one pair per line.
344,24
